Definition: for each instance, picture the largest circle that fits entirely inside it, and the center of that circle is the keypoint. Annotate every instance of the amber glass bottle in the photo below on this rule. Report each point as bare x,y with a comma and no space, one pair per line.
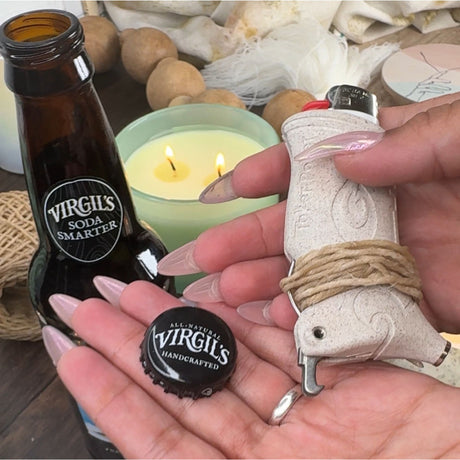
80,200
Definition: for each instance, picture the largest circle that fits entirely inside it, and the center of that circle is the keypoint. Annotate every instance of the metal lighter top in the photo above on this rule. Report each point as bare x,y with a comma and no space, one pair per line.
347,97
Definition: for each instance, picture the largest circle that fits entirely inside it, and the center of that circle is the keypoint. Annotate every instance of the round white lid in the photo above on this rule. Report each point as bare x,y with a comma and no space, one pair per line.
422,72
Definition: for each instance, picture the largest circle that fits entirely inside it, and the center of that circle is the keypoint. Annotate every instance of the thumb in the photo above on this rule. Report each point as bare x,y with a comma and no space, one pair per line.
425,148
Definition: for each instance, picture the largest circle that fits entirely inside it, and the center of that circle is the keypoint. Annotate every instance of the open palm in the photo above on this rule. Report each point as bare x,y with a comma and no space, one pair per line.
367,410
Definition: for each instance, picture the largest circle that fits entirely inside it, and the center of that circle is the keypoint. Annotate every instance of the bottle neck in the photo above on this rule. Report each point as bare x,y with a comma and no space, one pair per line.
44,53
65,135
36,82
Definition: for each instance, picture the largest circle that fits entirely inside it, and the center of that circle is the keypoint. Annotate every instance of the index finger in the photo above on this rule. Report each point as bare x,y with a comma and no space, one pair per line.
394,117
423,149
253,236
262,174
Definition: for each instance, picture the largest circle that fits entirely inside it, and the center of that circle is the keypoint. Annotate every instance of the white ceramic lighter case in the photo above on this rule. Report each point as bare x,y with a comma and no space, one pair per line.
324,208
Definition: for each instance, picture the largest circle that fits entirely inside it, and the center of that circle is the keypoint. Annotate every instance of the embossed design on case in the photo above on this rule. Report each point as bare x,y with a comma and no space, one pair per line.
360,212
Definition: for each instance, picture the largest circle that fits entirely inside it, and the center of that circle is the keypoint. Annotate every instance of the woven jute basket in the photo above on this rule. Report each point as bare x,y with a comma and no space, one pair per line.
18,242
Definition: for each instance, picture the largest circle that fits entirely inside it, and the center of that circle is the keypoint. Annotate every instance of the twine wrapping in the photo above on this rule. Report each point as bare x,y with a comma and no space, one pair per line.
18,242
337,268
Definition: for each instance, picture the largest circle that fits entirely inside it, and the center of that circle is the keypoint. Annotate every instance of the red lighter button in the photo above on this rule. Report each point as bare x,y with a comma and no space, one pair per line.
316,105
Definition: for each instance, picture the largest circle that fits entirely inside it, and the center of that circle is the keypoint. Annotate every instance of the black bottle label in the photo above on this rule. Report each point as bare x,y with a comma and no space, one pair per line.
84,218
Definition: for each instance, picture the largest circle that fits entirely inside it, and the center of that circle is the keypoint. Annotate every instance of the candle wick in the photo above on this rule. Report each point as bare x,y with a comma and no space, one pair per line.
172,164
219,172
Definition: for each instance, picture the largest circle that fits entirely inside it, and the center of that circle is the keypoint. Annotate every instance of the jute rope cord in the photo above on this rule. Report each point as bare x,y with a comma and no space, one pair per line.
337,268
18,241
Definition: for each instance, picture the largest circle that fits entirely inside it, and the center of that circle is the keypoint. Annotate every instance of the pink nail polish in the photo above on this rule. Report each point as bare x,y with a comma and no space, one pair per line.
347,143
219,191
110,289
188,302
257,312
64,306
56,343
204,290
179,262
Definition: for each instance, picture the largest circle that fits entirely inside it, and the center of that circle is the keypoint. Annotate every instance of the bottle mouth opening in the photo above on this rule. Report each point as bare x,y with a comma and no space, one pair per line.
35,32
36,26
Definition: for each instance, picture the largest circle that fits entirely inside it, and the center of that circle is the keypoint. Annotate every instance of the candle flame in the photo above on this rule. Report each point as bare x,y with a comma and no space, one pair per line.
220,164
169,153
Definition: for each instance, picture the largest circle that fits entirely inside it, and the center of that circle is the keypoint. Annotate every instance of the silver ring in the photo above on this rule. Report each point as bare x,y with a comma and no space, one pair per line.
285,405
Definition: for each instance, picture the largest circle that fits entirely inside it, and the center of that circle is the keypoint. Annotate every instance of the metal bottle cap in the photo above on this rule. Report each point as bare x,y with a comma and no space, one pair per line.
347,97
189,351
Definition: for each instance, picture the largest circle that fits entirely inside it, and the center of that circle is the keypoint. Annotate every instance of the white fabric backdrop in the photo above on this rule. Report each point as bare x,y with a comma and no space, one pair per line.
211,30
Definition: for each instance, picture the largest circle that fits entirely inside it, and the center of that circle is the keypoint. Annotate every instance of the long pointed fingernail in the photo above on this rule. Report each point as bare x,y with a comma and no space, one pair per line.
204,290
64,306
56,343
352,142
219,191
110,289
179,262
258,312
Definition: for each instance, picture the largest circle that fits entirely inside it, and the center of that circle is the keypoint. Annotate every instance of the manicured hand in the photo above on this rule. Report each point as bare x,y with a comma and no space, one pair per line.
366,410
419,153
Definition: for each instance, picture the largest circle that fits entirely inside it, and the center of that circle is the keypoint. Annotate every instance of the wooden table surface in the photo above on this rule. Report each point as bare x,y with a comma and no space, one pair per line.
36,417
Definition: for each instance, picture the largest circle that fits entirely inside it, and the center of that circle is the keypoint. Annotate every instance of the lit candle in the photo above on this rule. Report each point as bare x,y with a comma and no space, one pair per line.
219,169
191,163
166,198
220,164
171,170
